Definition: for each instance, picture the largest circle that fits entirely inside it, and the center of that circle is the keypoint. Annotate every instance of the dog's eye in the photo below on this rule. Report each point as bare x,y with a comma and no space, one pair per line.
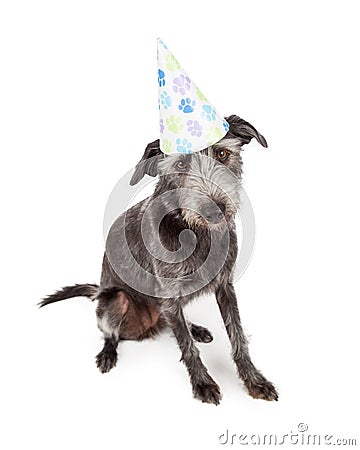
181,165
222,155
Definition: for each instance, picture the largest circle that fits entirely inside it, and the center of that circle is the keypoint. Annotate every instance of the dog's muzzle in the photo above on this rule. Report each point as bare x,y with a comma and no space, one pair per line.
213,212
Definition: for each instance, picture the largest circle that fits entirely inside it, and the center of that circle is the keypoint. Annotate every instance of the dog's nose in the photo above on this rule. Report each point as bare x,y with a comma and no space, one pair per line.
213,211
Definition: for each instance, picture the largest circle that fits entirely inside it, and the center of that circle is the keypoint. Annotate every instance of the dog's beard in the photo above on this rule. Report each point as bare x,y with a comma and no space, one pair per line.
196,203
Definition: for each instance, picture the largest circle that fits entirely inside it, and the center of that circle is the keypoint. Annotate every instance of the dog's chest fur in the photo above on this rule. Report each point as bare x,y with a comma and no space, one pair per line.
199,244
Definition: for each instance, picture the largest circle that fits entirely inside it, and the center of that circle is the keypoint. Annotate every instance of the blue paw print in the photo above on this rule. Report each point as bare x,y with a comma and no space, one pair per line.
208,113
226,125
183,146
161,78
165,100
187,105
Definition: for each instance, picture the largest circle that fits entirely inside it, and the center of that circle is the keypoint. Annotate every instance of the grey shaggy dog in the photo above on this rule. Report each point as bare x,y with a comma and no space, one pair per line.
172,247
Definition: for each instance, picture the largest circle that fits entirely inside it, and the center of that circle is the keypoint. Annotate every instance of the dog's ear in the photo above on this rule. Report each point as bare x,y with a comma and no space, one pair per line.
148,163
243,130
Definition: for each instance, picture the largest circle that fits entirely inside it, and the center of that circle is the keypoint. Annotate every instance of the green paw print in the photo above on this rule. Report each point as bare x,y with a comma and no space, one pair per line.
214,134
201,95
167,146
172,63
174,124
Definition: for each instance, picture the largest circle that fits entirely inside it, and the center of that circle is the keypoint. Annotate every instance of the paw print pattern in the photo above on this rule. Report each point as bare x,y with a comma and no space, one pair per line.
208,113
188,122
194,128
181,84
167,146
165,100
172,63
174,124
213,135
161,78
226,125
187,105
183,146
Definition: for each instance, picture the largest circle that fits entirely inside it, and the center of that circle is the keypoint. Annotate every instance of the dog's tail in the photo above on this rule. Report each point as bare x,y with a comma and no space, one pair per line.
78,290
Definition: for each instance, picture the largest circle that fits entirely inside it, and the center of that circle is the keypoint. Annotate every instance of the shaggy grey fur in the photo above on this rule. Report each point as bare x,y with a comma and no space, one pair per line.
172,247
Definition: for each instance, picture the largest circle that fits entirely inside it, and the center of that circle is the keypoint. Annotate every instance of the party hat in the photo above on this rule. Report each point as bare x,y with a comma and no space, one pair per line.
188,121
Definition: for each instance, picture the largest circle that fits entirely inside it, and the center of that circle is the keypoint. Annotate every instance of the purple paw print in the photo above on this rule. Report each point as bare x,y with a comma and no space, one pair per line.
181,84
194,128
161,126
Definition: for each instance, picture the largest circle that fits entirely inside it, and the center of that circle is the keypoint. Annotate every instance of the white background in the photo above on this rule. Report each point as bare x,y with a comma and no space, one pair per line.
78,104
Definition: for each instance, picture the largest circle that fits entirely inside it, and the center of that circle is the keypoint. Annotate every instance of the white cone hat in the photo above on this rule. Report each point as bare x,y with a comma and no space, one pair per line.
188,122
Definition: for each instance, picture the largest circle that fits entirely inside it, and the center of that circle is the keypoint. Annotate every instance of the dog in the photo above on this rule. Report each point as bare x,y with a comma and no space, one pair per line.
172,247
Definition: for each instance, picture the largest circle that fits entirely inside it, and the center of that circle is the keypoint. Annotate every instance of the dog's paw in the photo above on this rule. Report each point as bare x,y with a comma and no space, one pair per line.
262,389
106,360
201,334
207,392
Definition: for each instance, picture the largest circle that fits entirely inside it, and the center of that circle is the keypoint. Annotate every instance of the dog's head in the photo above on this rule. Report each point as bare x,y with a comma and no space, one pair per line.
205,185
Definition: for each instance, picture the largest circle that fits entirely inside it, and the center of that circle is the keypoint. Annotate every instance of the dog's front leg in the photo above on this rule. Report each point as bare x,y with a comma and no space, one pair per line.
204,387
256,384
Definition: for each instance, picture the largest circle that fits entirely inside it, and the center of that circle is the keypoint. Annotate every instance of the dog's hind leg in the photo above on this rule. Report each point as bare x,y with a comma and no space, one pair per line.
199,333
107,358
111,310
121,318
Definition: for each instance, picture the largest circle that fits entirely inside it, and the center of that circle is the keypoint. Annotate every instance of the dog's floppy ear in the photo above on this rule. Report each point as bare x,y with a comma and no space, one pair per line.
243,130
148,163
